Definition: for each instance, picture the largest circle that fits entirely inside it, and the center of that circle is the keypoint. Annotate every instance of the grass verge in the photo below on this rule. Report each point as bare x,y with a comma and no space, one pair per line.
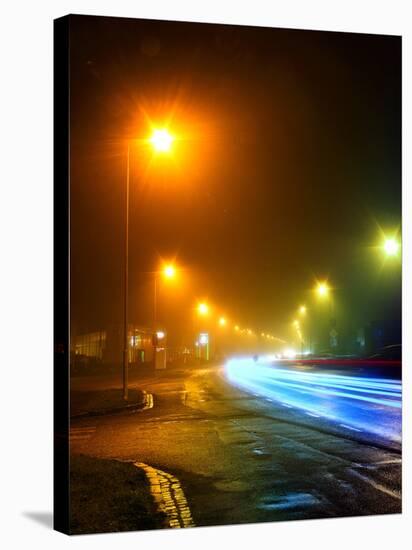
109,496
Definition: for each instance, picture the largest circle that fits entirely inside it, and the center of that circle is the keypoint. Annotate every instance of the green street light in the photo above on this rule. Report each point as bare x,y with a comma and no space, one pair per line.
391,247
322,289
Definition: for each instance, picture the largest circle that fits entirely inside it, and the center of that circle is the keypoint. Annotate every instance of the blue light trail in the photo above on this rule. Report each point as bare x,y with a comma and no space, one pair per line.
357,402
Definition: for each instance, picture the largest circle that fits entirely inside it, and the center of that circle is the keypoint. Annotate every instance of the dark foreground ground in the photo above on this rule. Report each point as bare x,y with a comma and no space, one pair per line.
238,457
109,495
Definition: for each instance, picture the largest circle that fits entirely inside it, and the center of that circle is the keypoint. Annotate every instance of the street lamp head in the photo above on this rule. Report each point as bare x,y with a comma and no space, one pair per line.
169,271
203,309
391,247
302,310
322,290
222,321
161,140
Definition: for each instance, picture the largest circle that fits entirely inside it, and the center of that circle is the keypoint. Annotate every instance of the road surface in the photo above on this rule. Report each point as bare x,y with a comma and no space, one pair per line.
242,458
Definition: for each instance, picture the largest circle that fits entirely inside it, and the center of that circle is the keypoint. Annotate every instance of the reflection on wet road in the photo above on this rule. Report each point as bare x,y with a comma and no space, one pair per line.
367,402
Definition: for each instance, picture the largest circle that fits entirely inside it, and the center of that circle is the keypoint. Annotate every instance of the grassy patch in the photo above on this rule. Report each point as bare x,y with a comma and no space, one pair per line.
109,496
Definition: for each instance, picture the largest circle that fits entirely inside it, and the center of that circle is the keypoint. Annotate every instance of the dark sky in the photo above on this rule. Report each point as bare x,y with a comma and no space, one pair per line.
289,163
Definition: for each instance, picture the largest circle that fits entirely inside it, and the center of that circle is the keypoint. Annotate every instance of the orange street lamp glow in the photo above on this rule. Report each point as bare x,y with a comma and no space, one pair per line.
222,321
203,309
169,271
237,327
302,310
161,140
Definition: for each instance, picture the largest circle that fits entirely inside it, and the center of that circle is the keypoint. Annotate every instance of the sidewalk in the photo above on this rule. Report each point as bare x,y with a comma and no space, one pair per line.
89,402
100,394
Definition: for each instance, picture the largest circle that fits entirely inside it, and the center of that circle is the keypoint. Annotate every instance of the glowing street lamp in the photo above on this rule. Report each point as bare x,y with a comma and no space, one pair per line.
161,140
391,247
203,309
302,310
169,271
222,322
322,289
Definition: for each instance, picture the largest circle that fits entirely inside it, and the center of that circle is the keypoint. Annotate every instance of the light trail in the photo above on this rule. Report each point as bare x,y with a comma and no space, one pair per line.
358,402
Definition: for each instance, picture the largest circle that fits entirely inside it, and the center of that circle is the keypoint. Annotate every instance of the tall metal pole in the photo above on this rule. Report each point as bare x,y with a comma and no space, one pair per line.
126,286
155,301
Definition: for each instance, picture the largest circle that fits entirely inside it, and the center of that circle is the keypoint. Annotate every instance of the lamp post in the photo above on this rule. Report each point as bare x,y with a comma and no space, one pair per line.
168,272
161,141
324,291
126,285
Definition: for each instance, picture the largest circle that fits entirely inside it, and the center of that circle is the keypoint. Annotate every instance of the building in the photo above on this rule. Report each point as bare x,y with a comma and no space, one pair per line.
106,347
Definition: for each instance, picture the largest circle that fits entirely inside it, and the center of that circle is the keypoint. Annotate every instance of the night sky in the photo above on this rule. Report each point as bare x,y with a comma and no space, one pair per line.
287,168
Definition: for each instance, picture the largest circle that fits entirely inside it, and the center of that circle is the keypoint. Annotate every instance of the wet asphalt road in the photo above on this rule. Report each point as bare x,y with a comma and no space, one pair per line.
241,458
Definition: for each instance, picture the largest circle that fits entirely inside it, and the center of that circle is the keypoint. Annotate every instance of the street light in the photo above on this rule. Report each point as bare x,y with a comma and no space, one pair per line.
203,309
169,271
161,141
302,310
322,289
222,321
391,247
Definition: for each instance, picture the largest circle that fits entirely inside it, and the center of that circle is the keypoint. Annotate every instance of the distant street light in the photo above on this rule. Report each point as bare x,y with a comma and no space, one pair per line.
222,321
322,289
391,247
203,309
302,310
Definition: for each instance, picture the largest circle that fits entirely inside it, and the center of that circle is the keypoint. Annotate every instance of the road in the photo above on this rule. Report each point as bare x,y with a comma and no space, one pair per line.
242,458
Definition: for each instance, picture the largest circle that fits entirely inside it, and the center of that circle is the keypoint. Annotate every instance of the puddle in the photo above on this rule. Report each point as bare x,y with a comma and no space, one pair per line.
290,502
261,453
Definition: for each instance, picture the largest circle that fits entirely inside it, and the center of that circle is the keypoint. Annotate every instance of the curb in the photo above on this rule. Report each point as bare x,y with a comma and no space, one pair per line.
147,403
168,496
